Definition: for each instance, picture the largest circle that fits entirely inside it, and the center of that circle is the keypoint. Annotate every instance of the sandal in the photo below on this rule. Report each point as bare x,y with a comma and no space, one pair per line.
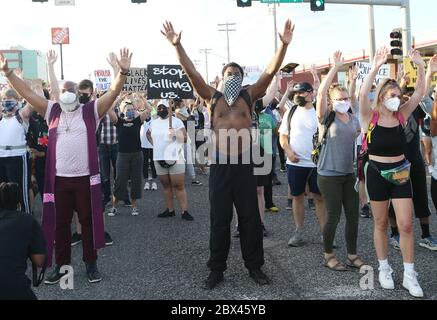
353,262
337,267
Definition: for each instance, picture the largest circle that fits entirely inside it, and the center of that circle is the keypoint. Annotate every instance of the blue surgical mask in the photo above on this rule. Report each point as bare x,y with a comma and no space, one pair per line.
130,114
372,96
9,105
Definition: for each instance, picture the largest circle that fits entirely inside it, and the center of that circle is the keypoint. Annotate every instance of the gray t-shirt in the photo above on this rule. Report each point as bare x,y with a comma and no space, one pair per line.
338,153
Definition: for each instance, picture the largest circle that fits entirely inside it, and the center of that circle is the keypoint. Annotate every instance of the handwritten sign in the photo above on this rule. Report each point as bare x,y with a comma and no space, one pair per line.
364,69
168,82
251,74
60,36
136,80
102,79
410,67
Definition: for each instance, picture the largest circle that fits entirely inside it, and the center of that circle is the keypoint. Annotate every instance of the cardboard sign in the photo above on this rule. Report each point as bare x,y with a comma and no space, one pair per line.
60,36
364,69
168,82
410,67
102,79
251,74
136,81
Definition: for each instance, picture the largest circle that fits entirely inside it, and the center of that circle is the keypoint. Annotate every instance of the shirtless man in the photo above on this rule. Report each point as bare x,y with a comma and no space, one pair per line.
232,184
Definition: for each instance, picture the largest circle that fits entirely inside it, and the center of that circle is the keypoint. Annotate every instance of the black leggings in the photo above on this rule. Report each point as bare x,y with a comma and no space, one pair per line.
148,160
281,154
434,192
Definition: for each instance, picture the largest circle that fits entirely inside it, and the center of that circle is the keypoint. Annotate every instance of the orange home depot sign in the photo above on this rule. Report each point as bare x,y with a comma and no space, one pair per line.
60,36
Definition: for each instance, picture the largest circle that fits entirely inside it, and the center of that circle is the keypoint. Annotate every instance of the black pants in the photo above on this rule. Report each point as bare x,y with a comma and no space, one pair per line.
231,184
420,192
281,154
268,193
15,169
148,160
434,191
40,168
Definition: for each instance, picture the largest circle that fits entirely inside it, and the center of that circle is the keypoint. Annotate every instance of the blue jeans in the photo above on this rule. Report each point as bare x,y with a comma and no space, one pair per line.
108,156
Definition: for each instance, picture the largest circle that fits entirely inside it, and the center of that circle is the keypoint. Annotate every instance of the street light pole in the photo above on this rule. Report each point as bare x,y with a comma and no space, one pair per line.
372,46
275,27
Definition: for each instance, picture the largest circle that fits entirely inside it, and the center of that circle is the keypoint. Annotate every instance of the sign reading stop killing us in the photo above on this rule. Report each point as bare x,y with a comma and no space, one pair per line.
168,82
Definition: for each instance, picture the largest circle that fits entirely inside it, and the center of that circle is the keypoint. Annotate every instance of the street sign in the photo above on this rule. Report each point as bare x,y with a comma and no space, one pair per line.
60,36
64,2
281,1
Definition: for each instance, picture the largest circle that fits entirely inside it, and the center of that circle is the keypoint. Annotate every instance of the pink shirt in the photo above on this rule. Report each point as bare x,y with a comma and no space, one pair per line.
72,144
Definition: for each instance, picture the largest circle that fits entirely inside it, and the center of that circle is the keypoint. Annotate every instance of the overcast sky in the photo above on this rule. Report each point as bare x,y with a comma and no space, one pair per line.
100,26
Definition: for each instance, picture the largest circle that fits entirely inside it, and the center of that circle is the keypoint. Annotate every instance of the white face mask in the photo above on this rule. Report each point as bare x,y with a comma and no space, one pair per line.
68,101
341,106
392,104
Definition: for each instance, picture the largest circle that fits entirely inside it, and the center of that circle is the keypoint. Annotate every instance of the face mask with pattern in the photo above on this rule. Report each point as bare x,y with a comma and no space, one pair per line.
232,88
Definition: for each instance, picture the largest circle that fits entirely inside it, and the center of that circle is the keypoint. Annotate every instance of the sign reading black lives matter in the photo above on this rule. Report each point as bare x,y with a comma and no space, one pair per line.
168,82
136,81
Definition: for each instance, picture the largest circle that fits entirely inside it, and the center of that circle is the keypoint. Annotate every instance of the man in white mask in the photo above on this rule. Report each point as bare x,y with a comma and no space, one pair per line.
232,184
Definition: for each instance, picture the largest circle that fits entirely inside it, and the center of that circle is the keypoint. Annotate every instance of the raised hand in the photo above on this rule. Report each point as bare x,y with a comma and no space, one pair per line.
380,57
3,63
112,60
52,57
338,59
290,86
125,60
173,37
353,73
287,35
416,57
432,65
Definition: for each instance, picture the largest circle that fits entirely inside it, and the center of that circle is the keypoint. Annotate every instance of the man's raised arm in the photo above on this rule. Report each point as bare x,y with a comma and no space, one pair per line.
201,87
258,89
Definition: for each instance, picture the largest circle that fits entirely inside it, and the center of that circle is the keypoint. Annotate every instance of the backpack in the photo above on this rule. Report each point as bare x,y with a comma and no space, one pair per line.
318,143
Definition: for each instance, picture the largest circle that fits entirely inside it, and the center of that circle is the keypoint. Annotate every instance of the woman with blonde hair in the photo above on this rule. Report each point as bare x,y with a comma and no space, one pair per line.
387,170
338,129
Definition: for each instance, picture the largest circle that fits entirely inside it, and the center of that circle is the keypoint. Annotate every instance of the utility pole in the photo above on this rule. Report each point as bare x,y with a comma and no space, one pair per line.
275,27
372,47
227,25
206,51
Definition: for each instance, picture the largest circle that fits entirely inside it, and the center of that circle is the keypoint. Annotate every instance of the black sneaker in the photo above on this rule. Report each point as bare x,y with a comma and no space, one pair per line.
54,276
259,277
311,203
276,182
166,214
283,169
365,211
214,278
127,203
108,239
93,273
187,216
76,238
196,183
237,232
289,205
265,233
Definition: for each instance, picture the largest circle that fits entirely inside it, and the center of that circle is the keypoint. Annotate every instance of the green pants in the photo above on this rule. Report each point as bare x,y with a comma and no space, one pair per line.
338,192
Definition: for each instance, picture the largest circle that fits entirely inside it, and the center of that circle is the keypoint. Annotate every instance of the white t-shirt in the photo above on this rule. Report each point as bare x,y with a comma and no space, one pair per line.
163,147
303,126
13,133
145,144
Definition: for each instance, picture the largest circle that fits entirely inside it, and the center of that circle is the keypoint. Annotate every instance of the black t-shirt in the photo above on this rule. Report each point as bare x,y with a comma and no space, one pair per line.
37,136
20,237
128,133
412,134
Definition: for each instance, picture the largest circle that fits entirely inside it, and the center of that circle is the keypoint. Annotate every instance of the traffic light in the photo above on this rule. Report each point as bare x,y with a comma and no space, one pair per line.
244,3
139,1
317,5
396,43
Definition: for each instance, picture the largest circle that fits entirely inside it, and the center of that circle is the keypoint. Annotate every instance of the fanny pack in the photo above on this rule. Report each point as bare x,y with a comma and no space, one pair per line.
398,176
165,164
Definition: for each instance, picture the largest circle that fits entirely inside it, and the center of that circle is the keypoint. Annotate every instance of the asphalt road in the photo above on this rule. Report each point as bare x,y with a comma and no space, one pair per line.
166,259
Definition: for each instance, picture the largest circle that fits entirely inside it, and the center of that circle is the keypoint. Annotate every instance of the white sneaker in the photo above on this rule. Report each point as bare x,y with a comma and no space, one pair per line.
410,283
154,186
135,212
147,186
112,212
385,278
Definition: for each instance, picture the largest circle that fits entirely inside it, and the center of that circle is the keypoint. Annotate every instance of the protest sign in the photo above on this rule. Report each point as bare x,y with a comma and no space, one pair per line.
168,82
136,81
410,67
102,79
364,69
